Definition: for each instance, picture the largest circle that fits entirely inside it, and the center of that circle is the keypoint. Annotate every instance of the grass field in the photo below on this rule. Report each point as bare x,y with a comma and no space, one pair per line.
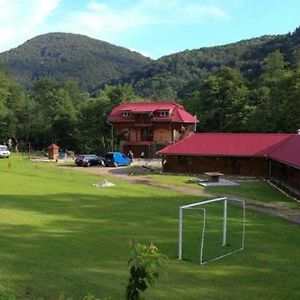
59,234
257,190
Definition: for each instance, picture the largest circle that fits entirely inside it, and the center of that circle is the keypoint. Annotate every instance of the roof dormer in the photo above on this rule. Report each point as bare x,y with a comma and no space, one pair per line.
164,113
126,113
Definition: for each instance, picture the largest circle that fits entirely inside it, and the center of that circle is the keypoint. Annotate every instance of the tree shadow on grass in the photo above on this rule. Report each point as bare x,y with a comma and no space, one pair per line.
77,243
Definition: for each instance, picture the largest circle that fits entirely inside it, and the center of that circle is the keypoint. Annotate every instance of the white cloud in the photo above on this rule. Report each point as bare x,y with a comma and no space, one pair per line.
140,51
42,9
181,11
106,20
102,21
21,20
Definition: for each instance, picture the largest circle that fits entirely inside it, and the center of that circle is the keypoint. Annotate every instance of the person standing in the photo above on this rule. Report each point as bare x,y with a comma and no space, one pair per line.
130,154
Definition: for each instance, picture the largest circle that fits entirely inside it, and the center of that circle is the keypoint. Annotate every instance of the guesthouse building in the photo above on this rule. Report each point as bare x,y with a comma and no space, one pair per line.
145,128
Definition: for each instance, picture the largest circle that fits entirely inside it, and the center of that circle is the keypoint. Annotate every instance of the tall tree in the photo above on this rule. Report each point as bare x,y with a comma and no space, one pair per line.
56,108
220,102
273,68
12,106
273,101
94,133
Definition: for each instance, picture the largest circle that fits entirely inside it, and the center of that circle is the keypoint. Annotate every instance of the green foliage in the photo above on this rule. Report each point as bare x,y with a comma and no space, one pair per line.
90,297
220,103
145,264
12,105
227,102
94,133
55,105
89,62
275,100
171,76
273,67
250,86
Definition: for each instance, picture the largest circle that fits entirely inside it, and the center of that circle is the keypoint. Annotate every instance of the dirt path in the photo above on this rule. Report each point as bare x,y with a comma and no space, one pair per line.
126,175
285,214
140,177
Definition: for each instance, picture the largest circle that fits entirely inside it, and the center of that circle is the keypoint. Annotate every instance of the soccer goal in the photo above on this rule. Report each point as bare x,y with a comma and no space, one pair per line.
211,229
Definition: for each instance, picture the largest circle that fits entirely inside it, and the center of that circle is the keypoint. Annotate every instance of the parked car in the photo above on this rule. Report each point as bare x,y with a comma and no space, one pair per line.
116,159
4,152
87,160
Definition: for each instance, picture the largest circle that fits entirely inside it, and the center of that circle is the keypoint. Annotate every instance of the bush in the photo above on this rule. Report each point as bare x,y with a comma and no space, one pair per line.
144,266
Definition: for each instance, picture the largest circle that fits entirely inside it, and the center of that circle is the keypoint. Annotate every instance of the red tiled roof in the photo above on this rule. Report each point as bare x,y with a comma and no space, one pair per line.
288,152
183,116
148,106
228,144
178,112
53,146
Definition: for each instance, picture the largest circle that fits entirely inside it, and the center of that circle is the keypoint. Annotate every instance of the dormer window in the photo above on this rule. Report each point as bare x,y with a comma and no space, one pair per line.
164,113
126,114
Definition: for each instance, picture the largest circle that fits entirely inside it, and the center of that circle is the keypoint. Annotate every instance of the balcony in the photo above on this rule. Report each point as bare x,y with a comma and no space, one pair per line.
143,120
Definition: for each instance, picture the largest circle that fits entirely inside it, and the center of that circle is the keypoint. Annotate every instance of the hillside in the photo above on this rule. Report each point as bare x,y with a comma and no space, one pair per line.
179,73
88,61
92,63
258,91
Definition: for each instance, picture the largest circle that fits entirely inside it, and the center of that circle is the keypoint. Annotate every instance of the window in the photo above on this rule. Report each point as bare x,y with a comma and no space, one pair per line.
126,113
164,113
146,134
109,155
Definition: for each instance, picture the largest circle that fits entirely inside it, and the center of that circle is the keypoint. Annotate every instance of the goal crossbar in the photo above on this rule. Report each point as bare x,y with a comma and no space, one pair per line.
203,202
224,237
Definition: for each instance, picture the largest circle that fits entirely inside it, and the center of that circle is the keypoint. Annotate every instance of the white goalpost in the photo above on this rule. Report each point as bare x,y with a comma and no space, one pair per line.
237,224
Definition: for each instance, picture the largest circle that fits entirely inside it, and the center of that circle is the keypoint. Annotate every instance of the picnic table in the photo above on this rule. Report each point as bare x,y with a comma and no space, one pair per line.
213,176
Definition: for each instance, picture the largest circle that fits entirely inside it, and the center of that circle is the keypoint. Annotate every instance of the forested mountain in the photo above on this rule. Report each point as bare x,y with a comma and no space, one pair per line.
87,61
92,63
173,75
249,86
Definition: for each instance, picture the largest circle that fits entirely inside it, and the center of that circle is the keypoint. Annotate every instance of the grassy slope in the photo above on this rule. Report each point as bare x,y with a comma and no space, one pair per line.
257,190
58,233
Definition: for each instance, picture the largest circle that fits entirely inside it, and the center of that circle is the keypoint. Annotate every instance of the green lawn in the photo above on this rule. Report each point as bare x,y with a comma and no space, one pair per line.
59,234
178,180
257,190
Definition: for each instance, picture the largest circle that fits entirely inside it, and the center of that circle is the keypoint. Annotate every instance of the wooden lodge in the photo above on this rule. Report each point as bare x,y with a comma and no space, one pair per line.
145,128
275,156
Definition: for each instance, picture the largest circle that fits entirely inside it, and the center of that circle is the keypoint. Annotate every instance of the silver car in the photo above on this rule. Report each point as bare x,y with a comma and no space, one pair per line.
4,152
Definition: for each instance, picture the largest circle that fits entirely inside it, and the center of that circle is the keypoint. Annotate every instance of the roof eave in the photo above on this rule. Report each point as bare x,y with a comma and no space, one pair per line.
212,155
285,162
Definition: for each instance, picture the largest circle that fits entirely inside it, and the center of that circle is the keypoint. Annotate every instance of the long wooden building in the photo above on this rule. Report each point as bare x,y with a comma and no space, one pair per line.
276,156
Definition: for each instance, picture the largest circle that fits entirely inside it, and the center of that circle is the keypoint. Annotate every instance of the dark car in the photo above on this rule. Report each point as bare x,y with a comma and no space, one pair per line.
116,159
87,160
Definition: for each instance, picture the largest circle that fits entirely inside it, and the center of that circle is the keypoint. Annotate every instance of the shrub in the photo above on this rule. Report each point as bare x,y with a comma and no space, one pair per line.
144,267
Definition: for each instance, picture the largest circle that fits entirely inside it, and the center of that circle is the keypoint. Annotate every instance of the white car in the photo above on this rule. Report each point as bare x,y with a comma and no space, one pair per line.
4,152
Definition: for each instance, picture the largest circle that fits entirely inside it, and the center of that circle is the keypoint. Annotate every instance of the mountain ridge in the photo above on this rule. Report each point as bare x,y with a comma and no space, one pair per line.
63,56
93,63
171,75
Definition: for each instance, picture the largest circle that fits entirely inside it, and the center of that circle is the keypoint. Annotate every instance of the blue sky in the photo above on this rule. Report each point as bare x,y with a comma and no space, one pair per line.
151,27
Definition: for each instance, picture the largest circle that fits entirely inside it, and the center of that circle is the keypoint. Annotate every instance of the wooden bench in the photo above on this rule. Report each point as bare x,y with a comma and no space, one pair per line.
213,176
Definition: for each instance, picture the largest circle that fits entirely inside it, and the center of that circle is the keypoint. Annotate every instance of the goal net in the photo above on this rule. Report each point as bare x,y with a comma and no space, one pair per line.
211,229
